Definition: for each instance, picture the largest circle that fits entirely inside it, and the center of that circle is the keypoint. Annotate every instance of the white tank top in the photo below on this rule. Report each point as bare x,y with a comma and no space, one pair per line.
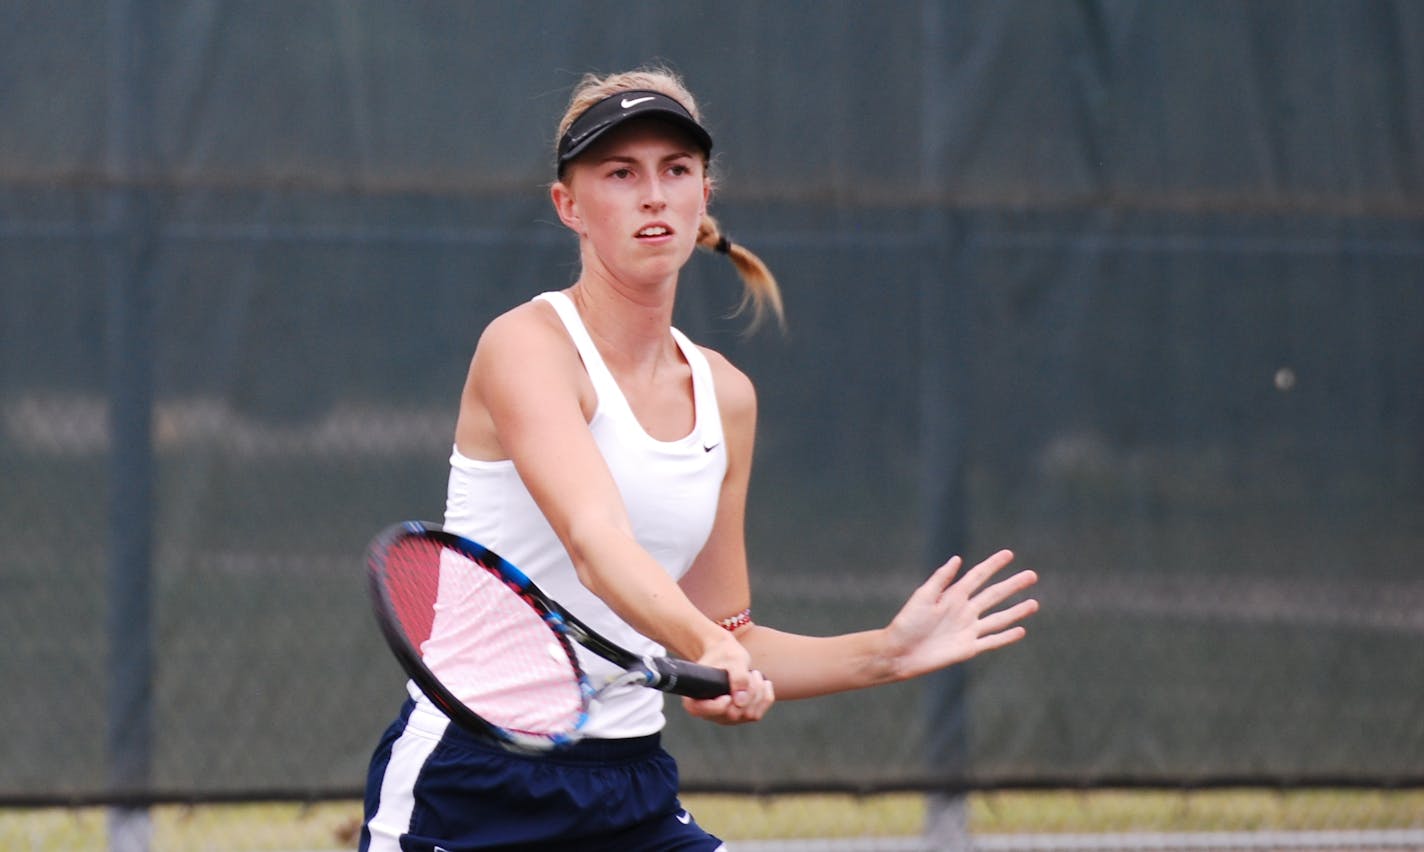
670,490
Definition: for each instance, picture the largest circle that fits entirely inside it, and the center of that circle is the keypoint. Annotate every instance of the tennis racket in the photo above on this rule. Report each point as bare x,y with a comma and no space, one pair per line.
493,651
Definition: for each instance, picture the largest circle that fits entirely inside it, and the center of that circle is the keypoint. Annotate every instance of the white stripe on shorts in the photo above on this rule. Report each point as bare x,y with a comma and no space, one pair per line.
422,734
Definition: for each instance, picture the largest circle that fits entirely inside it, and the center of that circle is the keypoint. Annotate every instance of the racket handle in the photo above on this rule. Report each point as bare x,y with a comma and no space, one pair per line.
683,678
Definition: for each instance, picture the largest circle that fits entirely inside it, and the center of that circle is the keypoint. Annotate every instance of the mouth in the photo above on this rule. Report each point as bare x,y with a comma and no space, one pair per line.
649,232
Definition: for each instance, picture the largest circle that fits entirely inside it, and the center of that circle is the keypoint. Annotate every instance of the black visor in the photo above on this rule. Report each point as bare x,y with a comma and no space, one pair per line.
618,108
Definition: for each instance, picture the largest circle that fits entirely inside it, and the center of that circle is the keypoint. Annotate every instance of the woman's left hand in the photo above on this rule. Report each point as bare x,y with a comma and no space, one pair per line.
948,621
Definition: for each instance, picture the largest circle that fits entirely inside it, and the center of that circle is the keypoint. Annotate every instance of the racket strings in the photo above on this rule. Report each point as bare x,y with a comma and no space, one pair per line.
485,641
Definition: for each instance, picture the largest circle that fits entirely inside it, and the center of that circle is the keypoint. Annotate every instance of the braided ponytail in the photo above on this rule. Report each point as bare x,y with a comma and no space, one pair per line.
759,289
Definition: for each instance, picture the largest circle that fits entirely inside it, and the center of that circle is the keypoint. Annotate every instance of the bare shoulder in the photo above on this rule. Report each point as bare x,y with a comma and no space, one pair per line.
736,395
527,352
523,330
522,356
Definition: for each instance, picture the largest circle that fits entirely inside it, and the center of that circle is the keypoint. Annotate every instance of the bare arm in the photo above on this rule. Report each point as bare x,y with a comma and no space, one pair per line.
949,619
527,399
526,386
943,622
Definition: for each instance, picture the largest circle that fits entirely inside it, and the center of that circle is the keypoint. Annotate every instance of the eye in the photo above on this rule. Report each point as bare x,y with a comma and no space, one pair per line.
622,173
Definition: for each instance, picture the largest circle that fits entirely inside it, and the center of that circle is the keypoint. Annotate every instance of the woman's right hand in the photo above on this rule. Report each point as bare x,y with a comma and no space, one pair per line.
751,694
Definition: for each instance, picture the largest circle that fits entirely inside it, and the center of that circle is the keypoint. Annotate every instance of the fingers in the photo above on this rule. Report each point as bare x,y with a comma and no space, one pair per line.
756,699
1001,621
941,579
999,640
747,703
1004,589
984,599
997,629
751,702
980,574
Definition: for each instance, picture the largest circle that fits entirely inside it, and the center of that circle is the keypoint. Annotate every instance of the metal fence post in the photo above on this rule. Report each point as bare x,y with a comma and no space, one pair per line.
129,229
944,426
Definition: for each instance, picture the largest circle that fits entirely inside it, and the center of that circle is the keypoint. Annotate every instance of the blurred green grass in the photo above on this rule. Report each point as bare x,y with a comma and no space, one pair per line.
267,827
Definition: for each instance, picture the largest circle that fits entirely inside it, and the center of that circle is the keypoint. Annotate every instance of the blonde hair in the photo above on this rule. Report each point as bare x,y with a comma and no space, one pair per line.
759,289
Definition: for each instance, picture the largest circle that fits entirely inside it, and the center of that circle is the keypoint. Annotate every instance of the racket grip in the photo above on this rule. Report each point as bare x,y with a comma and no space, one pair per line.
683,678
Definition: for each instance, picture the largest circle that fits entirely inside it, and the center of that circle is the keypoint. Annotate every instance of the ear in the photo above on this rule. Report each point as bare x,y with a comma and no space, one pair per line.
566,207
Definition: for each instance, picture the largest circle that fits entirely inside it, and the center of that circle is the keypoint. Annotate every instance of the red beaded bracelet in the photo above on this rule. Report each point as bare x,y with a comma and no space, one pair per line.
741,619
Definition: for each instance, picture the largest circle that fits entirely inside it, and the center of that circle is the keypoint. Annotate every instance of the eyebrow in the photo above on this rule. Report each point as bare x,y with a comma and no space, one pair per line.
623,158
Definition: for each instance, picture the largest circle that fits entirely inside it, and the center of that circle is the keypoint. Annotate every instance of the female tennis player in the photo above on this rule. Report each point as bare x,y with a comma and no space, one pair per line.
607,456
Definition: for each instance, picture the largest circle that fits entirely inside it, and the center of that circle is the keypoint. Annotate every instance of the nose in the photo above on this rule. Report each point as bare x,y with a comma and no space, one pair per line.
653,196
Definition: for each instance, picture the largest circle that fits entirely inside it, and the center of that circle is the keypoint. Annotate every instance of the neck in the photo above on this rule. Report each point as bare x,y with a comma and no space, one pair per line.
631,325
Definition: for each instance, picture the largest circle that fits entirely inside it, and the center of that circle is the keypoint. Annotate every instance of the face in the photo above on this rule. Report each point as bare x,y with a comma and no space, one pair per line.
635,199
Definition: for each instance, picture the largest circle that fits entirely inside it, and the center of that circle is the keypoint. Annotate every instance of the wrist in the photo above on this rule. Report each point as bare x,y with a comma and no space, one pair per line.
886,663
704,638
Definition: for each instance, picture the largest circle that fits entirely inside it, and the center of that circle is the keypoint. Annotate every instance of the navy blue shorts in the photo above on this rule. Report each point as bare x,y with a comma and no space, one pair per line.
433,786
